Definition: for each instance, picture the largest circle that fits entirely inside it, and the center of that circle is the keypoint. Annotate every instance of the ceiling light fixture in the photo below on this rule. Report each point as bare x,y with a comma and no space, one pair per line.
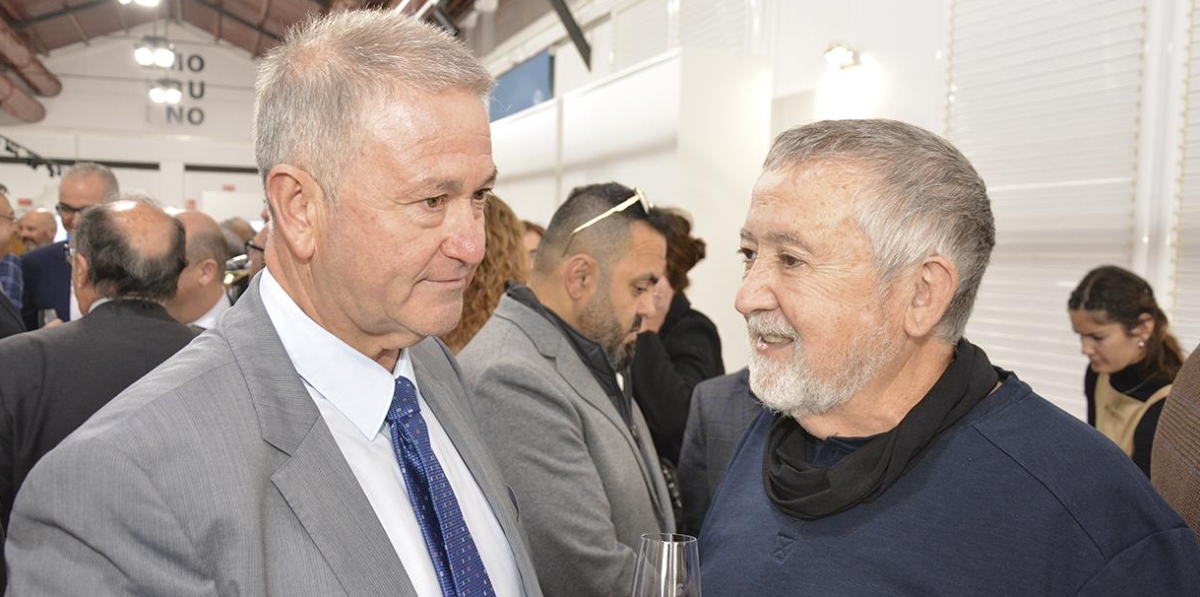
167,91
154,51
841,55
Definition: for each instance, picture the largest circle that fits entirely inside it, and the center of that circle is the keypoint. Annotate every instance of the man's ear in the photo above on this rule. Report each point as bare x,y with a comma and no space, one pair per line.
581,273
297,209
209,269
933,284
80,270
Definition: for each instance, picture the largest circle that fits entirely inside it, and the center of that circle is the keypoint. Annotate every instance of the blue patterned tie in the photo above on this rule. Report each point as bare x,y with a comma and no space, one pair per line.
455,558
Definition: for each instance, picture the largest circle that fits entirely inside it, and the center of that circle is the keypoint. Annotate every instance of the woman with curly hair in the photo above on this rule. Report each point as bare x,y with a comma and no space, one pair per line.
503,261
678,347
1133,359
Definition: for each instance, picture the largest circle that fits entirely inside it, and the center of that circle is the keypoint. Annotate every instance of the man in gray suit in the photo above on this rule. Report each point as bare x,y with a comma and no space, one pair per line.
315,442
721,411
567,436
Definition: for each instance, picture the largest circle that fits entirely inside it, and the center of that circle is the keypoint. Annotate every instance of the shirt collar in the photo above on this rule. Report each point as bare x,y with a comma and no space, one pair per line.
209,319
357,386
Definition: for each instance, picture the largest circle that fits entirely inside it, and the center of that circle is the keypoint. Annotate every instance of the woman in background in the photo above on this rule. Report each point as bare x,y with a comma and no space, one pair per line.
533,237
1133,358
504,260
678,347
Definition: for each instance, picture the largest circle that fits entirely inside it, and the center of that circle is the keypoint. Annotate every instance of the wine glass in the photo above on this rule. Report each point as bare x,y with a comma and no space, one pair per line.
668,565
45,316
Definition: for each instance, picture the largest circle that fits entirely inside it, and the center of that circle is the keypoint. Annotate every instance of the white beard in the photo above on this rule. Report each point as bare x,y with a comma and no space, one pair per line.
793,388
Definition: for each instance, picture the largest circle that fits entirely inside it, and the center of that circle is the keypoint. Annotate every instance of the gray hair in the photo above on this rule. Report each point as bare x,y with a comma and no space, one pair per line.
317,91
84,169
922,198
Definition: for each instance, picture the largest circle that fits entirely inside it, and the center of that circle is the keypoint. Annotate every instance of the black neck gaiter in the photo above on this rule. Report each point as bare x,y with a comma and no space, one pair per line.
808,492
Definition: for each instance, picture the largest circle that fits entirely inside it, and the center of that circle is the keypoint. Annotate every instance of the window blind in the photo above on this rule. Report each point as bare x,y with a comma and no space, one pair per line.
1185,317
1044,99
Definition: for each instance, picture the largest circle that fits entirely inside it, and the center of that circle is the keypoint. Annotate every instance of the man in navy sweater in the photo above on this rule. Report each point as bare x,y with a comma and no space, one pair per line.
895,459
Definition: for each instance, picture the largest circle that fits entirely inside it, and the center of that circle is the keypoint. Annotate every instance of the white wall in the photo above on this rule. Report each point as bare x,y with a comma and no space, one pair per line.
902,76
104,114
902,44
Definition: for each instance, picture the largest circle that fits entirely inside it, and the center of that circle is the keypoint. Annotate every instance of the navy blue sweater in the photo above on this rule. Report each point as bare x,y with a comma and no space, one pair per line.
1019,498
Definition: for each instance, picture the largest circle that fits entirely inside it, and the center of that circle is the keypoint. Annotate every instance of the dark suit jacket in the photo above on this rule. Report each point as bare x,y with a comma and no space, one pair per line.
10,318
722,409
47,283
54,379
666,368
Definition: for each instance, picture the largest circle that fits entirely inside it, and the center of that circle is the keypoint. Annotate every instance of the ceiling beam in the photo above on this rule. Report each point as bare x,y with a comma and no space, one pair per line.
79,29
62,12
220,19
573,30
262,20
121,17
224,11
11,14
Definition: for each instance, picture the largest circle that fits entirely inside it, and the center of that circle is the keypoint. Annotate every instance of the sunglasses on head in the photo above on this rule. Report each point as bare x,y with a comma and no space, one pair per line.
637,198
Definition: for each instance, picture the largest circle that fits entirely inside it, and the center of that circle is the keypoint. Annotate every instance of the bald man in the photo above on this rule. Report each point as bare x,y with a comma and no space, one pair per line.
201,297
37,228
126,259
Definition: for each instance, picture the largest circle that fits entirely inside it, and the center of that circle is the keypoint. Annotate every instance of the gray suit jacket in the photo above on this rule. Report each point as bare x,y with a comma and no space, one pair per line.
722,409
588,493
216,475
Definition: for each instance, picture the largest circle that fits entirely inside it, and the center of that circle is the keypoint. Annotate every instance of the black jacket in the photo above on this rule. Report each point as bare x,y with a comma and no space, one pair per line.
54,379
10,319
47,284
666,368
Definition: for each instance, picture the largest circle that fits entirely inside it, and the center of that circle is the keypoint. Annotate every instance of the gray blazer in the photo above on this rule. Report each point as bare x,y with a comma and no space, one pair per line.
586,489
722,409
216,475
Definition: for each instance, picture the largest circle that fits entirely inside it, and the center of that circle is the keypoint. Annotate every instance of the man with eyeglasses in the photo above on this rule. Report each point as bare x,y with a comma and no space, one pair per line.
256,252
47,273
567,435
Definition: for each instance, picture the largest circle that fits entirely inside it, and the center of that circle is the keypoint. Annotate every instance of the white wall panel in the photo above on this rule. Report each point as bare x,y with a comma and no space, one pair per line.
1044,100
525,149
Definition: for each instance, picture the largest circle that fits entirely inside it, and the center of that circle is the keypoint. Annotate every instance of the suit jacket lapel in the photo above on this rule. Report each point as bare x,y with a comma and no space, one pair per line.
325,497
315,480
550,342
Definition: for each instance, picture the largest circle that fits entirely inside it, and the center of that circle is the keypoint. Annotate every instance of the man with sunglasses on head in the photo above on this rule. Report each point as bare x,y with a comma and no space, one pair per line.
46,271
568,437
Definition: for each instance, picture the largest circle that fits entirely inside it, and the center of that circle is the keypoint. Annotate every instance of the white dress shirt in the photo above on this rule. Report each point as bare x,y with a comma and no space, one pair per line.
353,394
209,319
76,313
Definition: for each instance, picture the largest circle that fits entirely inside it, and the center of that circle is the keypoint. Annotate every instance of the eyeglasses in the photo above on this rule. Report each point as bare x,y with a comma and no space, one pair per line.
637,198
249,245
66,210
